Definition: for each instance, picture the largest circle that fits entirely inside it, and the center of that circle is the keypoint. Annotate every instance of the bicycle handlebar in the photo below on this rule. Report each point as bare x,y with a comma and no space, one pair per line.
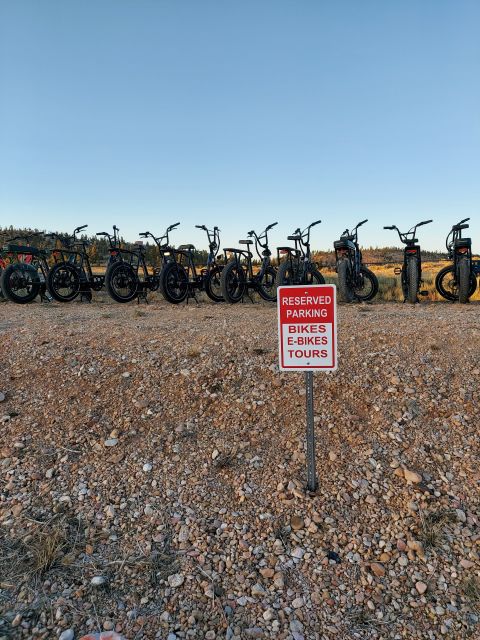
360,223
422,223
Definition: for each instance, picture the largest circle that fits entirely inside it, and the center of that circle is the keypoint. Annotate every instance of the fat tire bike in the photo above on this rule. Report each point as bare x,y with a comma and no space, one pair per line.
25,270
180,279
295,265
238,277
72,275
127,276
355,280
458,281
411,271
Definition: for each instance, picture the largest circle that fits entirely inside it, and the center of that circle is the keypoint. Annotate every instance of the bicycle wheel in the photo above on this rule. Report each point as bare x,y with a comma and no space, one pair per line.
367,286
20,283
285,274
313,276
233,282
412,280
446,284
267,287
463,279
122,282
344,271
174,283
63,282
213,284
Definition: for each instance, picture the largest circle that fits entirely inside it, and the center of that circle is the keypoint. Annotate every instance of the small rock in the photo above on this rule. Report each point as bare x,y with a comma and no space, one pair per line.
298,603
126,374
2,396
403,561
297,523
461,515
148,511
258,590
68,634
466,564
111,442
411,476
17,620
378,569
267,572
332,456
108,625
98,581
147,467
110,511
215,454
176,580
421,587
184,533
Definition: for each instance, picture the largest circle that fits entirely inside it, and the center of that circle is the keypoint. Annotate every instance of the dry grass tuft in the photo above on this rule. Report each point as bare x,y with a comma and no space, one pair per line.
45,545
471,590
432,526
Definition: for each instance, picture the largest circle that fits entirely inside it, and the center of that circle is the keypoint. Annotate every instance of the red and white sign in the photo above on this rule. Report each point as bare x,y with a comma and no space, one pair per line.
307,327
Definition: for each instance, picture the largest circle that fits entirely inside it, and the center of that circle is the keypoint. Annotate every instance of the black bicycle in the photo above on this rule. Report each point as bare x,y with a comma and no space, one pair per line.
72,275
180,279
459,280
355,280
238,276
411,270
25,270
127,276
295,265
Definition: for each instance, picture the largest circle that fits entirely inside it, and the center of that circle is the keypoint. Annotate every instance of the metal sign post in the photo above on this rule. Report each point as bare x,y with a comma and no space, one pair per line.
312,483
307,332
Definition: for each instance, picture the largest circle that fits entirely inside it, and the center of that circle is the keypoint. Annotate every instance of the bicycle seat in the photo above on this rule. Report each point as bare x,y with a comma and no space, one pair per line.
186,247
247,242
19,248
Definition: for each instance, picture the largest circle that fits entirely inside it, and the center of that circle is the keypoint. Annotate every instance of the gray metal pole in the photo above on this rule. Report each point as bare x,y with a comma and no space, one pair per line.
311,471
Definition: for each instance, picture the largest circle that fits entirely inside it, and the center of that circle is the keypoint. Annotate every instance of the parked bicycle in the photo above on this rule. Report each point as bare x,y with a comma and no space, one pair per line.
238,276
72,275
459,280
24,274
295,265
355,280
411,270
180,279
127,276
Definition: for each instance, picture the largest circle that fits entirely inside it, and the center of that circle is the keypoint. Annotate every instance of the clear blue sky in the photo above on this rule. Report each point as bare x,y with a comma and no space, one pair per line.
146,112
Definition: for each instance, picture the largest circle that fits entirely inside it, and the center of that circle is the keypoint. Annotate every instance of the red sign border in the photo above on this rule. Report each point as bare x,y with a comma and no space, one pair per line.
299,287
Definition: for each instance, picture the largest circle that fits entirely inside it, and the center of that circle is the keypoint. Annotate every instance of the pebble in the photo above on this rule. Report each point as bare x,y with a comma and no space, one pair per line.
412,477
297,523
147,467
176,580
111,442
2,396
68,634
298,603
421,587
98,581
378,569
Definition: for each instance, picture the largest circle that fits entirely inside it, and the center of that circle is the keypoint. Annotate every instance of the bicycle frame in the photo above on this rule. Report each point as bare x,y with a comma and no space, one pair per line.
244,257
412,250
300,255
347,247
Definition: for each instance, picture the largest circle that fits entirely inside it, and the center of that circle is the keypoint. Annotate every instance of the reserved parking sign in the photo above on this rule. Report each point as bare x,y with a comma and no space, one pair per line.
307,327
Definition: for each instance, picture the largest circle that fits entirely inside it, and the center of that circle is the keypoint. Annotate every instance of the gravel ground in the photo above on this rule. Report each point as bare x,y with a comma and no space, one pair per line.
152,473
